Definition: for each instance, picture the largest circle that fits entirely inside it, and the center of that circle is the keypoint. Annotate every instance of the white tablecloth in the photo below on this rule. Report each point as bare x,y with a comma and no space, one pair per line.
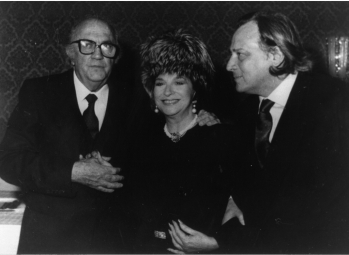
10,227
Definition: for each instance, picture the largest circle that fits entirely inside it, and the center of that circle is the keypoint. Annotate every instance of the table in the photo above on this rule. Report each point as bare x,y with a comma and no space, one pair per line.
10,224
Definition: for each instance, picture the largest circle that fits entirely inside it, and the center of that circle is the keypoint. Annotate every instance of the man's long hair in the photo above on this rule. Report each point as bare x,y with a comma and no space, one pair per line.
277,30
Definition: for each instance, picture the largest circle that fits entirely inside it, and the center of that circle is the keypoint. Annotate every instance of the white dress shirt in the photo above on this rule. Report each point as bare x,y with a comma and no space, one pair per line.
101,103
279,96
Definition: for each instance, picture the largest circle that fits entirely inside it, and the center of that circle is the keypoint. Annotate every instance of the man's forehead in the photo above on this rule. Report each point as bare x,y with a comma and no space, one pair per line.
246,35
94,28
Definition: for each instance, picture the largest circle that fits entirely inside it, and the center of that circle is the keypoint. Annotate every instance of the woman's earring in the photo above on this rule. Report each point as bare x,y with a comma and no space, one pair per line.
156,109
193,110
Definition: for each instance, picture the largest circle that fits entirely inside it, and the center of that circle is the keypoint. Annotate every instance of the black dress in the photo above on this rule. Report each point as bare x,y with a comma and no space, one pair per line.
184,180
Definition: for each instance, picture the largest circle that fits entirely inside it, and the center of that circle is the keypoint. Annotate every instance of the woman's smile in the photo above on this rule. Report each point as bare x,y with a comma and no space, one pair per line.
173,94
170,101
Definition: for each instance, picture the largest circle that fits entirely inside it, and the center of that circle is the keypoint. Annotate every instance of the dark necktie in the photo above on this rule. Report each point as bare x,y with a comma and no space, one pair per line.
90,115
263,127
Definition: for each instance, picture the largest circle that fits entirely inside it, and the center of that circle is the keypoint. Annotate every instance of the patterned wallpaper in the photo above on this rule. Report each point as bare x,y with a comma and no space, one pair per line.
32,33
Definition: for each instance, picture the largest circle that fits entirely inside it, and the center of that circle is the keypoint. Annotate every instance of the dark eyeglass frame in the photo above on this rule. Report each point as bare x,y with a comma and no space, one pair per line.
97,46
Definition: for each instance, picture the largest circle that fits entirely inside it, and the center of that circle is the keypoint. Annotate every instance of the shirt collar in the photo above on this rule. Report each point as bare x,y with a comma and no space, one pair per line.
282,92
82,91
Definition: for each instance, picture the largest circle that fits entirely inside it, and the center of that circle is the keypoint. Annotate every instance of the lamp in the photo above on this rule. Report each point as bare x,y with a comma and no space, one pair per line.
337,49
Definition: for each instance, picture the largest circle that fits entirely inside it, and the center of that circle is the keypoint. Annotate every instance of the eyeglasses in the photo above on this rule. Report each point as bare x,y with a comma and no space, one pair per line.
88,47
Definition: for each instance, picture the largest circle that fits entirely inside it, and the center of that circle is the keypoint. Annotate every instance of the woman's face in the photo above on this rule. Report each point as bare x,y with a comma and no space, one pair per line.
173,94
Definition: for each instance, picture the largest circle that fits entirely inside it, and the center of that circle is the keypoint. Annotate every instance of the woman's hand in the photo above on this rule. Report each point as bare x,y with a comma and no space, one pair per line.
189,240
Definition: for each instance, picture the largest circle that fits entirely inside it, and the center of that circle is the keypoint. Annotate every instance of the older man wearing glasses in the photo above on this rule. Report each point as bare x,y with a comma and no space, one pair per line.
59,119
74,203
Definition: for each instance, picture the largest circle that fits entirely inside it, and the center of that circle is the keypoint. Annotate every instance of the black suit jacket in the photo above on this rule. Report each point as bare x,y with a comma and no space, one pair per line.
45,136
299,203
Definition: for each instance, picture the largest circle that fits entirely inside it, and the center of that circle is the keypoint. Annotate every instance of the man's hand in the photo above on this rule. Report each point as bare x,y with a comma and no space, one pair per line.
97,173
207,118
189,240
233,211
101,159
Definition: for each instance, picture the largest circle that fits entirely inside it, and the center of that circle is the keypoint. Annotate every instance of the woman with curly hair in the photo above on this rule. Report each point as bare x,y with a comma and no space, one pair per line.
178,173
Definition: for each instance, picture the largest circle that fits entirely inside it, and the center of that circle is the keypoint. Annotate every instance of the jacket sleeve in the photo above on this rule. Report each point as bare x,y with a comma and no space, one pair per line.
230,236
23,160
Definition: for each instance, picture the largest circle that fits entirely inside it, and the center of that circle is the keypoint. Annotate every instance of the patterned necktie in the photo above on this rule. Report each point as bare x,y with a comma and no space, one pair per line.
90,115
263,127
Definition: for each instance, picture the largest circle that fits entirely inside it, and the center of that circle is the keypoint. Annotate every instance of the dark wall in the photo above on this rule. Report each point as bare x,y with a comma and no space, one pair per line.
32,33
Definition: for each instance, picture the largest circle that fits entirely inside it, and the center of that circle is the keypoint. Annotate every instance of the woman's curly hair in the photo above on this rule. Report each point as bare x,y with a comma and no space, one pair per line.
176,52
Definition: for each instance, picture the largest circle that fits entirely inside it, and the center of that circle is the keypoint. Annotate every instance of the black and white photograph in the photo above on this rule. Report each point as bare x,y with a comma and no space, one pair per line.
174,127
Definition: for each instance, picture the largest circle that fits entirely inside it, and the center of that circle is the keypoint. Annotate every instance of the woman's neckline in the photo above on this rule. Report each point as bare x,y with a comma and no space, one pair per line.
176,136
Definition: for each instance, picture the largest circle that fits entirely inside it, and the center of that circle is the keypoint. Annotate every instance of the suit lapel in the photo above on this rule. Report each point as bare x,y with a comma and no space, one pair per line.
67,114
64,97
109,137
113,111
289,131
